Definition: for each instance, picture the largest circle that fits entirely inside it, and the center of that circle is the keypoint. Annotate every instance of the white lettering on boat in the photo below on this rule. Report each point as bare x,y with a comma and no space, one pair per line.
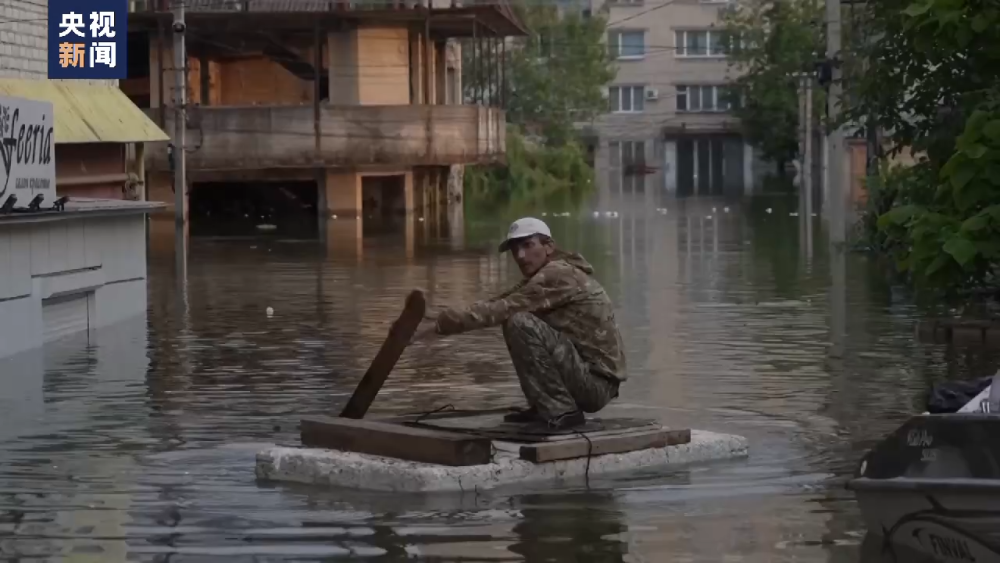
945,542
919,438
952,548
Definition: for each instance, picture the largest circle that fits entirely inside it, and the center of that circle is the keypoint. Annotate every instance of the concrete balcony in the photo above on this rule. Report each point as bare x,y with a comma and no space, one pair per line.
268,137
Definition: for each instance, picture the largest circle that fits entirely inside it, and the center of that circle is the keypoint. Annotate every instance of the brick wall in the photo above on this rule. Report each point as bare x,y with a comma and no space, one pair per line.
24,40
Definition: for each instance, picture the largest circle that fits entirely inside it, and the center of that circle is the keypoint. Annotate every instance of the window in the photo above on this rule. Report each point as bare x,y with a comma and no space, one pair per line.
627,44
701,43
703,98
627,99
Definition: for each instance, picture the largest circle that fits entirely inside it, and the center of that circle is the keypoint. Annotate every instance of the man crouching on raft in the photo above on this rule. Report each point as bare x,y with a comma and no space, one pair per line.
559,327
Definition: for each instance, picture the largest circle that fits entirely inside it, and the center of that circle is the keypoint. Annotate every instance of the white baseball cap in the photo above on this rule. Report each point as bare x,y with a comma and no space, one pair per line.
525,227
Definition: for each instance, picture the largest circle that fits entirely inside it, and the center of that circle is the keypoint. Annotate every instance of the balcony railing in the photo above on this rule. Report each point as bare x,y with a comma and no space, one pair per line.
261,137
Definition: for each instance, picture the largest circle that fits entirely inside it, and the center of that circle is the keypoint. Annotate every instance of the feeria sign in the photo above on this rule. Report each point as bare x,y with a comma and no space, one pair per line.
27,150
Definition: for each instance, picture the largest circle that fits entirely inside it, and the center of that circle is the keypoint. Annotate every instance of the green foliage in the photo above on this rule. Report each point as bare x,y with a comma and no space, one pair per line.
554,77
934,70
536,175
777,40
928,65
557,76
943,224
894,185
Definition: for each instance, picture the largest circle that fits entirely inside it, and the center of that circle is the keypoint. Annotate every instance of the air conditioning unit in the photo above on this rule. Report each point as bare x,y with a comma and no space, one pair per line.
652,94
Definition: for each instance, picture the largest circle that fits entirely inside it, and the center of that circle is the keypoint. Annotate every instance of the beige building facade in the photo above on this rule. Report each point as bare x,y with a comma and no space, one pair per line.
669,129
356,106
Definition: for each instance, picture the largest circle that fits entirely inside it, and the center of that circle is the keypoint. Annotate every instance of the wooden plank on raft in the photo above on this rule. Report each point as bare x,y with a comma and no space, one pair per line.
444,415
393,440
492,426
400,334
600,445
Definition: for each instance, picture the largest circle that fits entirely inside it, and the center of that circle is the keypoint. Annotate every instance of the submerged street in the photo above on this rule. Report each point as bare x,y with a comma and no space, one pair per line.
140,443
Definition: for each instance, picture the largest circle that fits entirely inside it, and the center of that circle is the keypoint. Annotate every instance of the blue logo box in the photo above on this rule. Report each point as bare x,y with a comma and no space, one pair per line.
88,39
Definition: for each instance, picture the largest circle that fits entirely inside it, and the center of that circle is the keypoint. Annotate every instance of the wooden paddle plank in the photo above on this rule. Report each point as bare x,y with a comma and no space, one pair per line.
571,449
395,441
400,334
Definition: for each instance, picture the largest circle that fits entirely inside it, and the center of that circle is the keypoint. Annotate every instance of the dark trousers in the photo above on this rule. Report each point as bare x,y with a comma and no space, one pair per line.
553,377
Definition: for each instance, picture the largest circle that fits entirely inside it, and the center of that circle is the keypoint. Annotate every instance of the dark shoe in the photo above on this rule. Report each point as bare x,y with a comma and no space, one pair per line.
529,414
566,421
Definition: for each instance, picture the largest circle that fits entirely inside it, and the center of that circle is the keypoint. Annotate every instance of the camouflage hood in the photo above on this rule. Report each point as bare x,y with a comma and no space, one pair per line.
574,259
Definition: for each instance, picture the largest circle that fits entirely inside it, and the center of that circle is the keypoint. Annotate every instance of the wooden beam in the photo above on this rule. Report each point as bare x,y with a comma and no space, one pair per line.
65,181
399,338
600,445
396,441
317,83
443,415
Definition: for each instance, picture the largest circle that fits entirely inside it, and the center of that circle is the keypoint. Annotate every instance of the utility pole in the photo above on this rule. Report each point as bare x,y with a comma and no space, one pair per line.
837,194
180,113
807,149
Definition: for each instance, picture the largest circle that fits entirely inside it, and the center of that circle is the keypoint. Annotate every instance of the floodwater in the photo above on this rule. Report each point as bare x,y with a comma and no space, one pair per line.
138,443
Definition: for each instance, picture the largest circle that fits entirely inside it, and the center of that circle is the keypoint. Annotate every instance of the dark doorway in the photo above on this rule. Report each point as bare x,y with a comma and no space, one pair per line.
287,208
685,167
709,165
383,201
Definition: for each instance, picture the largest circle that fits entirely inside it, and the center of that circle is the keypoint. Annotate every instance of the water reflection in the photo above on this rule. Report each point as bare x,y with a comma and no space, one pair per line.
585,526
140,442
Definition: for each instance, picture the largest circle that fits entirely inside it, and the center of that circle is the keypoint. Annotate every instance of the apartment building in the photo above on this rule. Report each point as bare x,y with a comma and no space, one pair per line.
669,128
355,108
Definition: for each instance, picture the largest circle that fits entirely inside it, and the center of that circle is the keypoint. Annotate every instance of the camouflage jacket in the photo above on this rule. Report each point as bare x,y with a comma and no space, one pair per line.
565,295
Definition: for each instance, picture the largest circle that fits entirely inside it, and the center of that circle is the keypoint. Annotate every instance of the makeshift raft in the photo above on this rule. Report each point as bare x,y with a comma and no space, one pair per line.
462,451
465,452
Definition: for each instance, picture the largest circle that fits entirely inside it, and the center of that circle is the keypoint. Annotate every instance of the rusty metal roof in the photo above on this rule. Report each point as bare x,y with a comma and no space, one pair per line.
88,112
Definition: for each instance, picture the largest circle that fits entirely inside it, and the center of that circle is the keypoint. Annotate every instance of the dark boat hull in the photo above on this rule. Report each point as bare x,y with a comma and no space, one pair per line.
933,486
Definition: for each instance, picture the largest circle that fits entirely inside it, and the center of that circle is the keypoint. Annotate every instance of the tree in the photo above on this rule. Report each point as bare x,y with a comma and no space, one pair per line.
554,75
929,64
554,79
775,41
933,70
